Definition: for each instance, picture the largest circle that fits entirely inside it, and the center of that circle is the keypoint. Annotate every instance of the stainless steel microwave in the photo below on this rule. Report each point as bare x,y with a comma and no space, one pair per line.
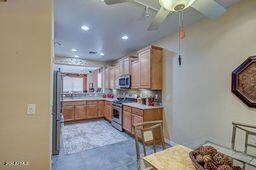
124,81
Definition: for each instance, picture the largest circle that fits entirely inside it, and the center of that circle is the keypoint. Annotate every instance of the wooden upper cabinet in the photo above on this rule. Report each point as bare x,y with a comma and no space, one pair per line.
121,66
151,68
111,78
80,112
145,70
116,76
95,79
127,66
135,72
106,78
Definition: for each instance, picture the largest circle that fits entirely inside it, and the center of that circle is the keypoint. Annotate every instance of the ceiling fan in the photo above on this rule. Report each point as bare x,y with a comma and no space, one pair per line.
209,8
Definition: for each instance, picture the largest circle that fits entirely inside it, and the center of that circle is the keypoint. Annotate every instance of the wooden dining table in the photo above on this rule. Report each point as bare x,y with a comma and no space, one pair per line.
174,158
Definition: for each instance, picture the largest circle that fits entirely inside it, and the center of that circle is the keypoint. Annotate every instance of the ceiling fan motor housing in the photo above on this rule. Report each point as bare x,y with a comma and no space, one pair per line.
176,5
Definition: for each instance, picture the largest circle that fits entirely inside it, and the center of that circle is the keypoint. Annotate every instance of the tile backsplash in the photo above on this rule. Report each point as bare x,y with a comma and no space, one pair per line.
143,93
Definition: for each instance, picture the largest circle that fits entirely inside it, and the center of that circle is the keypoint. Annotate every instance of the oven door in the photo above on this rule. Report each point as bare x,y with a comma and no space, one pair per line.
117,114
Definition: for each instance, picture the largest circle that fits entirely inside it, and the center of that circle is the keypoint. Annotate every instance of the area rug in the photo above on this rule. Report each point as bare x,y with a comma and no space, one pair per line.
79,137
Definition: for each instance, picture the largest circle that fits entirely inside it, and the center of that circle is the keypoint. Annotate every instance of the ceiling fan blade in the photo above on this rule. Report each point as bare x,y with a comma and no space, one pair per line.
209,8
159,18
111,2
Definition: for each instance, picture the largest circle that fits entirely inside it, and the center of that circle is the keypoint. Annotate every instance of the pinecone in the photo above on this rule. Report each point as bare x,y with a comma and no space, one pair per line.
210,165
224,167
207,150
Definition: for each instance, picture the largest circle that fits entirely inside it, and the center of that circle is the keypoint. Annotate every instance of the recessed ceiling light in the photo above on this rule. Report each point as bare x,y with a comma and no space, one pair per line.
102,54
85,28
76,56
74,50
124,37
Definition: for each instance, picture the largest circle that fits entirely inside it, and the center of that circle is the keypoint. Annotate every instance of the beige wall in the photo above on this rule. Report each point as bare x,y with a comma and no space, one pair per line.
25,65
198,99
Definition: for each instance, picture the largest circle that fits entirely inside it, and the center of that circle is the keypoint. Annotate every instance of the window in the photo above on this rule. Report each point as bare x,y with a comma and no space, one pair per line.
99,80
78,84
73,84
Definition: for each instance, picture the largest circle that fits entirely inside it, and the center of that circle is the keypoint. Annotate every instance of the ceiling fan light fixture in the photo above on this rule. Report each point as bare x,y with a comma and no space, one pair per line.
176,5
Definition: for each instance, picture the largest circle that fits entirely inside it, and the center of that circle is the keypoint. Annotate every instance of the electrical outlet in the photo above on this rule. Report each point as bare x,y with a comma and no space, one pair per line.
31,109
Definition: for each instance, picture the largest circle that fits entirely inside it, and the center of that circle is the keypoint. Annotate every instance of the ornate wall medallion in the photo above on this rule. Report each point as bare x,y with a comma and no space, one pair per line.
244,81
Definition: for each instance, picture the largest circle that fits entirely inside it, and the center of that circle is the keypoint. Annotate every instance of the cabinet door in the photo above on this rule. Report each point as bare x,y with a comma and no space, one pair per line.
116,76
121,66
101,108
111,78
110,113
135,71
80,112
126,66
145,72
68,113
92,111
107,77
127,121
135,120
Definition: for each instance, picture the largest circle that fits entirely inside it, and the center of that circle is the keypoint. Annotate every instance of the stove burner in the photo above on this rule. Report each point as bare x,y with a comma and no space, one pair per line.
123,100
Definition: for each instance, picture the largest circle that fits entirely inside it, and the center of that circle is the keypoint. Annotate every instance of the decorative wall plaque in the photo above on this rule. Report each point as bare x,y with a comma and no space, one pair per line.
244,81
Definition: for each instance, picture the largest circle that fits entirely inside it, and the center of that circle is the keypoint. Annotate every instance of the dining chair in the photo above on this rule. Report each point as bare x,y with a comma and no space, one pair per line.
250,133
148,133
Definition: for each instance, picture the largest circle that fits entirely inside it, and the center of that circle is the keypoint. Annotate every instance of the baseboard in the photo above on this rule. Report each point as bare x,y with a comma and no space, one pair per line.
168,141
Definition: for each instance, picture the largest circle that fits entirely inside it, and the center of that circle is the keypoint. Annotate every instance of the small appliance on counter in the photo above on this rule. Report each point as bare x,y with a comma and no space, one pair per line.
110,95
150,101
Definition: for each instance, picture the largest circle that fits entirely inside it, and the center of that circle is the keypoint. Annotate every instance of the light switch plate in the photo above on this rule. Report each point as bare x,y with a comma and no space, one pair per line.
168,97
31,109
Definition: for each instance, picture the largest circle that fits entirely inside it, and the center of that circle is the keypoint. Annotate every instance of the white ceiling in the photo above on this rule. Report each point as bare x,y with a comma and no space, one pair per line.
107,25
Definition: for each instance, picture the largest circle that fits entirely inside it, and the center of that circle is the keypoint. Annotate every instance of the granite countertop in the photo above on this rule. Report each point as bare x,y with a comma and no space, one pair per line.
142,106
88,98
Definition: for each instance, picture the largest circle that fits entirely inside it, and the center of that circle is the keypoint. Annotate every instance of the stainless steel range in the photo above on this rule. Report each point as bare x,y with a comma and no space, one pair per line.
117,113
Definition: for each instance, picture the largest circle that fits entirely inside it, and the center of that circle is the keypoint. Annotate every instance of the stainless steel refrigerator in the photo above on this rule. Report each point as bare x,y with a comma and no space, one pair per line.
57,111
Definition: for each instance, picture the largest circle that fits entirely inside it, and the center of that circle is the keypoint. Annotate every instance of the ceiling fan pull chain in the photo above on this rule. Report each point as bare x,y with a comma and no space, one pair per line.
179,38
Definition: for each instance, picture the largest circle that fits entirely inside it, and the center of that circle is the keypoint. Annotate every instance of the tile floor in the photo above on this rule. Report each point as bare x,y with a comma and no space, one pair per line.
81,136
118,156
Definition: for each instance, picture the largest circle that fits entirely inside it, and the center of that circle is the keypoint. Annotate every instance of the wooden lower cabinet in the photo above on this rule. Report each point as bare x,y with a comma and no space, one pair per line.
83,110
92,111
80,112
101,106
68,113
136,120
127,121
108,111
133,116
